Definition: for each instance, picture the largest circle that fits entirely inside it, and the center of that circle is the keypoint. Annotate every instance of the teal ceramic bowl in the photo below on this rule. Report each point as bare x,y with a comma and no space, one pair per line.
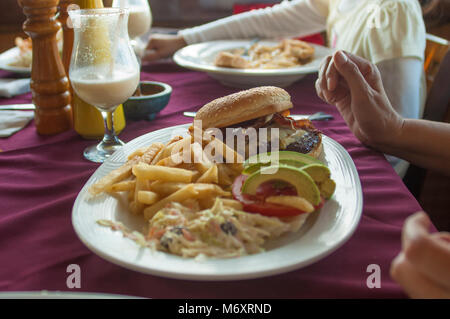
153,98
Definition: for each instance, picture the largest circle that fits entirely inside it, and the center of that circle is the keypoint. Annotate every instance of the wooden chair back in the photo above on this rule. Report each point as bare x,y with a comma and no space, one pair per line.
437,70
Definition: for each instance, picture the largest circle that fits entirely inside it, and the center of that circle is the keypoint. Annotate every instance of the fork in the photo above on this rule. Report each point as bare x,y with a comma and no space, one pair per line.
319,116
249,45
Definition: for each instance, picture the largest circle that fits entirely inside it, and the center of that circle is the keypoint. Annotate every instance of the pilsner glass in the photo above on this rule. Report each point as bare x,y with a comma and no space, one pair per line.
104,70
139,22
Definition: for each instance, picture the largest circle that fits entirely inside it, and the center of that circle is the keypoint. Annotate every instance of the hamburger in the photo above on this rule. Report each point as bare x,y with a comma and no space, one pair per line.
261,107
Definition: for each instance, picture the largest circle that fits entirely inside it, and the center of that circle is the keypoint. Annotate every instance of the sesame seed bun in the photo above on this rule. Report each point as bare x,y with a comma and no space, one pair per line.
244,106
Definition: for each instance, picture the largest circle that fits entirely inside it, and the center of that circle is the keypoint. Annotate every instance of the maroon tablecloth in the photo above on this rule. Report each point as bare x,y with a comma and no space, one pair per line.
40,177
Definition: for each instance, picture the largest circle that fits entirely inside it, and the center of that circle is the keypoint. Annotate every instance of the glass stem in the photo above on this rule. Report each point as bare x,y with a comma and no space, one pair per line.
110,134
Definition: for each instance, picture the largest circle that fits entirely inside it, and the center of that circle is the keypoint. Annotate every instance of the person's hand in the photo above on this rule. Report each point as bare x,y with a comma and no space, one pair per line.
162,46
354,85
422,267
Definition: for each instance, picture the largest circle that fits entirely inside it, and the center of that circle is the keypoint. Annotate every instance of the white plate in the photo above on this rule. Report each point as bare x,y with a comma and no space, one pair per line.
323,232
9,56
200,57
60,295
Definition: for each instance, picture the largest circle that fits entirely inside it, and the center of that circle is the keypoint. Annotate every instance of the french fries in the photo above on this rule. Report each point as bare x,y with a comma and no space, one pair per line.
166,188
147,197
210,176
180,171
137,153
223,176
235,204
221,149
180,195
176,147
209,190
151,152
162,173
124,186
124,171
113,177
142,184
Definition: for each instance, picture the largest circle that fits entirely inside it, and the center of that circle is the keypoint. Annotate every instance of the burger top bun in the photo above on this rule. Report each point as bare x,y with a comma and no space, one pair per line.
243,106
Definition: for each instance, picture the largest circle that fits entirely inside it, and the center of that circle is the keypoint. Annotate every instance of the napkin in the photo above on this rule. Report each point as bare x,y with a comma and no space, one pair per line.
13,121
12,87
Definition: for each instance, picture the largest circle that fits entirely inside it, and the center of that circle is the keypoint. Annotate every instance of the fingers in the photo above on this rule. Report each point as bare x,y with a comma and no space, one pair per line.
339,88
320,84
358,71
413,282
369,71
430,254
163,46
332,76
422,267
152,51
151,44
416,227
351,73
154,42
322,72
151,55
319,91
328,81
363,65
443,236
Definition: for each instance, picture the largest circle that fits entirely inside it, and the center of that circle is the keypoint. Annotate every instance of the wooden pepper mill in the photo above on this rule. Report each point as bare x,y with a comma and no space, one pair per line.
49,83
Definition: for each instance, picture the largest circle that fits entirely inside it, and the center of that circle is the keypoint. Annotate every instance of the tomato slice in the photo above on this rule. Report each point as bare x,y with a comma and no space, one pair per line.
256,203
275,188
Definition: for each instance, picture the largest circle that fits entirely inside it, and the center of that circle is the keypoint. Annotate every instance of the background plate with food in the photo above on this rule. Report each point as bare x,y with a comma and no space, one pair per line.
322,233
10,60
19,59
202,57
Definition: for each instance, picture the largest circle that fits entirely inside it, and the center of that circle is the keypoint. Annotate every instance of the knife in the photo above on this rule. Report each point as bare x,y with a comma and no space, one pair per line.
17,107
319,116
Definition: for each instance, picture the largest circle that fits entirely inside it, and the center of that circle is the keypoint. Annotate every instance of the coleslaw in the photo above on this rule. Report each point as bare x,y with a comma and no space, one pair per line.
220,231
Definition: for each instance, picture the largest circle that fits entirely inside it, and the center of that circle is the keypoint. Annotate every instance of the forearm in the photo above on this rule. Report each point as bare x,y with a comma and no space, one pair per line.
294,18
421,142
402,82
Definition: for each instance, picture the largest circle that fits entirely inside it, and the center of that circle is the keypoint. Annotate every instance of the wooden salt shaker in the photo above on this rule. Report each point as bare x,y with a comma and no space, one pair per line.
68,33
49,83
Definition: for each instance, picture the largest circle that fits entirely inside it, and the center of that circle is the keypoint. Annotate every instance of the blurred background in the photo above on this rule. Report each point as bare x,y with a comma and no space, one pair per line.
186,13
166,13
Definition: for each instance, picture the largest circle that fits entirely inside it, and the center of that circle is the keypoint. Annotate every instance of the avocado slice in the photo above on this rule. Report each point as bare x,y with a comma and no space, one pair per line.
327,188
298,178
282,156
321,176
256,166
